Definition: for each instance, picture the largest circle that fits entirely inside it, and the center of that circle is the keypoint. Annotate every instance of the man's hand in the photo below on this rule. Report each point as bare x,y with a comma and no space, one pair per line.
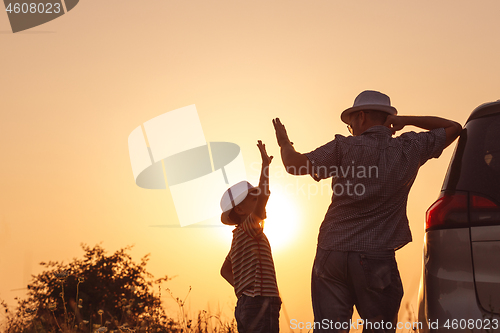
395,123
452,128
295,163
281,134
266,159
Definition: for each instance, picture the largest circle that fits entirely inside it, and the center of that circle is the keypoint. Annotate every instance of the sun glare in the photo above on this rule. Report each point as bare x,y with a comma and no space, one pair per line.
281,224
282,220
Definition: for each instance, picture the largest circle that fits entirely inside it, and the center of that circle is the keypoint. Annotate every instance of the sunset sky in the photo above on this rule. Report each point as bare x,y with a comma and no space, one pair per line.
73,89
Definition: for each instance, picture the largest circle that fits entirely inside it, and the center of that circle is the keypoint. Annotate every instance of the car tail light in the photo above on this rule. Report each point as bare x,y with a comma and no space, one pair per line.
481,202
451,210
483,210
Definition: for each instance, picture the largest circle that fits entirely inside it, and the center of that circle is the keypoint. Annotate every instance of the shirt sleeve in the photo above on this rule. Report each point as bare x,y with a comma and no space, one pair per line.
252,226
323,159
430,144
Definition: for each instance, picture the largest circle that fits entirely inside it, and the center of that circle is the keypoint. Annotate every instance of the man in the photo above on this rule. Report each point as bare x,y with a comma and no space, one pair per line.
372,173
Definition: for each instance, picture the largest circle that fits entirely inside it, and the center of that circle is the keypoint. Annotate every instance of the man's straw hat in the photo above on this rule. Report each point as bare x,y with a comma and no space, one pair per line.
369,100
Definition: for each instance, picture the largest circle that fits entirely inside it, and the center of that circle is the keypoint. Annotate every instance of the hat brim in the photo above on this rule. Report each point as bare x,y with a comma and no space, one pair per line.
344,116
225,215
225,218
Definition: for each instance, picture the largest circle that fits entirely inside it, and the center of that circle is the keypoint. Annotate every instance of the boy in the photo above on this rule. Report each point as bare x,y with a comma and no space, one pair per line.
249,266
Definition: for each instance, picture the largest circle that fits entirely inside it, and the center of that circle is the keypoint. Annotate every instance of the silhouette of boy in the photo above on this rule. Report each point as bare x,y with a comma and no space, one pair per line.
249,266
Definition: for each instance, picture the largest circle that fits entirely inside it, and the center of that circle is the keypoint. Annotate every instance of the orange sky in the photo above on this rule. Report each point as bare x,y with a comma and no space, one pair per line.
74,88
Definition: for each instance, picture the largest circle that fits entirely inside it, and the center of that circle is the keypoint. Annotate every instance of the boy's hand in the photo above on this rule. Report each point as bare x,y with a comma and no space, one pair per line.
395,123
260,208
266,159
281,134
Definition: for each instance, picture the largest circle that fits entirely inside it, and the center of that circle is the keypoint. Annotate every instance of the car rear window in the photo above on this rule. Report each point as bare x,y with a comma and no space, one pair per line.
475,165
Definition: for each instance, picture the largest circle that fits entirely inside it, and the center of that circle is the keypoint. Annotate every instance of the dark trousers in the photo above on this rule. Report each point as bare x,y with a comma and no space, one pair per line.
259,314
369,280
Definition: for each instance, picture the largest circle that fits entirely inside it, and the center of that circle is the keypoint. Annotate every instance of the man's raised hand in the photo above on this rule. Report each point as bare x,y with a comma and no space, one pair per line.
281,134
394,123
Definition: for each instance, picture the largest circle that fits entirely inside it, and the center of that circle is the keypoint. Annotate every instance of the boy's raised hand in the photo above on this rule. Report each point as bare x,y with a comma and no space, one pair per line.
266,159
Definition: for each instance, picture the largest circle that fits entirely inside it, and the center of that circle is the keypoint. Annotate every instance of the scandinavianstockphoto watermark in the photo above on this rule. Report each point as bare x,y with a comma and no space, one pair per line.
353,186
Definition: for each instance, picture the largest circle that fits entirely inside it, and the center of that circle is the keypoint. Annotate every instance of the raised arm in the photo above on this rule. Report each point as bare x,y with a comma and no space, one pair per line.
260,209
295,163
452,128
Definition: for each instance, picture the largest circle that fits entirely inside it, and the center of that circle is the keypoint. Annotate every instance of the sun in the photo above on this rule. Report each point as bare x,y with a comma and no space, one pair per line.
281,223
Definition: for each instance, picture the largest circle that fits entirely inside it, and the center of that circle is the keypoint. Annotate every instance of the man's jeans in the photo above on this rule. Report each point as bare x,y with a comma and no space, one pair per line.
369,280
259,314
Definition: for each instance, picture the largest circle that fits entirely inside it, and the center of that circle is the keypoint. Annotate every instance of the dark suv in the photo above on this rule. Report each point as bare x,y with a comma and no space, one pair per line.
460,285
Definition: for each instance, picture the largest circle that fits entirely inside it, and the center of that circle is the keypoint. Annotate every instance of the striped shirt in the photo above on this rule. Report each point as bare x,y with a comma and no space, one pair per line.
372,174
252,261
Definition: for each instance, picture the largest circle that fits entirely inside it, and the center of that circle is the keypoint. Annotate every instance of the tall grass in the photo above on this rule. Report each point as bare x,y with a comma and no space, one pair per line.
151,320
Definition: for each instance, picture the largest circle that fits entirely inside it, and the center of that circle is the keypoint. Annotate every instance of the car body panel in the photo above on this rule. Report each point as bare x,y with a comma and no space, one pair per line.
487,274
461,263
449,282
485,233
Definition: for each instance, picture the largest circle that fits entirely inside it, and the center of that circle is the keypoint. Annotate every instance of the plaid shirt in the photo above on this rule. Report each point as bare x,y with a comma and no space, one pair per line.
372,176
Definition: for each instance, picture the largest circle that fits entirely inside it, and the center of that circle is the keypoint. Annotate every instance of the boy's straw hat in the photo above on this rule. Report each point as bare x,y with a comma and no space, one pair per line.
369,100
233,197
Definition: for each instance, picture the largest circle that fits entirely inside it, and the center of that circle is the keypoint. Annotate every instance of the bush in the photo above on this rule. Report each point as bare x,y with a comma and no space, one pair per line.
97,293
100,294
